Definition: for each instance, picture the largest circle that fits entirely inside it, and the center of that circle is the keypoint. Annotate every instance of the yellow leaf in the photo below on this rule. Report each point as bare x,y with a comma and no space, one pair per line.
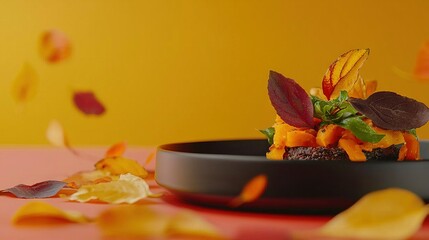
25,84
120,165
127,189
344,72
55,134
43,213
189,224
251,191
89,177
142,221
386,214
116,150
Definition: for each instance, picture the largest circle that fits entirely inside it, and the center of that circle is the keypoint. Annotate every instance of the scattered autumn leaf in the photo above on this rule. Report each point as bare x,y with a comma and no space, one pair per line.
25,85
421,70
142,221
116,150
344,72
187,223
88,177
127,189
87,103
43,213
54,46
386,214
39,190
120,165
55,134
251,191
150,158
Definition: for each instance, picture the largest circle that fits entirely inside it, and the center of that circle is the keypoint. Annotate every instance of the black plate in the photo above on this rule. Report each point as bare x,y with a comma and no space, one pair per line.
212,173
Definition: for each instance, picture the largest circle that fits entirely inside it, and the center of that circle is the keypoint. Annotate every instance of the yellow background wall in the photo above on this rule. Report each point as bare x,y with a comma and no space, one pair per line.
182,70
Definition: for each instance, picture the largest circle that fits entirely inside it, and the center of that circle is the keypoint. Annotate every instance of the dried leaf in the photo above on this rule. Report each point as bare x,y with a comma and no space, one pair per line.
141,221
90,177
421,70
87,103
290,101
344,72
44,213
133,220
189,224
392,111
39,190
150,158
127,189
25,85
386,214
116,150
54,46
120,165
251,191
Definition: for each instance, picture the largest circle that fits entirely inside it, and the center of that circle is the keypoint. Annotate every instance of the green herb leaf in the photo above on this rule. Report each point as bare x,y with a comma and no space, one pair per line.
413,132
360,129
269,133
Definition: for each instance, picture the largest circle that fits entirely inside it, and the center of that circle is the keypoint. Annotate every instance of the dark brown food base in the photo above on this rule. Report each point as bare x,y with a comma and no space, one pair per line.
323,153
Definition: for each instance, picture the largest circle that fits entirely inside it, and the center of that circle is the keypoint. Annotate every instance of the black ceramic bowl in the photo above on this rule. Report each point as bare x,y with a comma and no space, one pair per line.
214,172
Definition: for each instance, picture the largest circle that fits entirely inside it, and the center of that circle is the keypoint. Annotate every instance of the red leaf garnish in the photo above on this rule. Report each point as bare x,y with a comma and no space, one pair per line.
39,190
290,101
54,46
88,103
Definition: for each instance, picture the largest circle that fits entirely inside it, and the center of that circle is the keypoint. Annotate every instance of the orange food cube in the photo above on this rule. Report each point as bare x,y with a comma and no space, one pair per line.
353,149
300,138
329,135
413,147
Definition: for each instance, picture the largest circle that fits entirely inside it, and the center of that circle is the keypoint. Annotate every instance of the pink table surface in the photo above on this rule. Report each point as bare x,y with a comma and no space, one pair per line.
29,165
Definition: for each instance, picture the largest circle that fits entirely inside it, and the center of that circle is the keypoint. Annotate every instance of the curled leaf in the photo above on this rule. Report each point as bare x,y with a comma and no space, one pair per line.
127,189
85,178
120,165
87,103
251,191
142,221
290,101
116,150
25,85
344,72
421,69
39,190
44,213
392,111
386,214
54,46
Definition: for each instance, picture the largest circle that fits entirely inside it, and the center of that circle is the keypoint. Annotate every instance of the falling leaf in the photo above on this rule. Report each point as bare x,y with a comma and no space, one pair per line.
150,158
44,213
120,165
386,214
142,221
116,150
187,223
39,190
25,85
88,177
55,46
55,134
251,191
87,103
421,70
344,72
127,189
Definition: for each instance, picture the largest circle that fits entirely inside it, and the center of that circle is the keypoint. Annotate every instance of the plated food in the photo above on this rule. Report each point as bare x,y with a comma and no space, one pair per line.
347,119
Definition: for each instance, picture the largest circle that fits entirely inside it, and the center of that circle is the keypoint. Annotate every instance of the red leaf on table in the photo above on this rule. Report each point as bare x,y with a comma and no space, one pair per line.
87,102
54,46
39,190
290,101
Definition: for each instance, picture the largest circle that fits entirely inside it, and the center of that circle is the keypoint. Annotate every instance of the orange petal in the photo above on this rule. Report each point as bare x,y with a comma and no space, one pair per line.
25,84
120,165
54,46
344,72
116,150
421,70
251,191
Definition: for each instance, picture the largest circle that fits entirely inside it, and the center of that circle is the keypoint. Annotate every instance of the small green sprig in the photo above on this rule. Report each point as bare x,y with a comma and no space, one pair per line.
340,112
